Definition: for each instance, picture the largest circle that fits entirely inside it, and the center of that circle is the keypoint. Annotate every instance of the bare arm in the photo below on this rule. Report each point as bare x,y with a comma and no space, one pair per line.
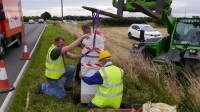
103,38
99,33
73,44
73,56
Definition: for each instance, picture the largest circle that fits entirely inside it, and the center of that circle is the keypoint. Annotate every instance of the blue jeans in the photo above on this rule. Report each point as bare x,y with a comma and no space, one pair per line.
57,88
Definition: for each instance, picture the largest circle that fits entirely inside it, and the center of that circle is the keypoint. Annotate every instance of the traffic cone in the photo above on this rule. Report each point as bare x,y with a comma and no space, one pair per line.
4,84
25,54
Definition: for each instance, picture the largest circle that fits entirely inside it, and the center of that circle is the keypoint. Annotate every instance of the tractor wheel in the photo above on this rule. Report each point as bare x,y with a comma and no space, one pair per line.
193,66
147,55
130,36
183,80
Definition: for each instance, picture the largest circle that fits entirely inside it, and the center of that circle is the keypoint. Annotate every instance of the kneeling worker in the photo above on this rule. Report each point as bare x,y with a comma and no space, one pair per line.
109,81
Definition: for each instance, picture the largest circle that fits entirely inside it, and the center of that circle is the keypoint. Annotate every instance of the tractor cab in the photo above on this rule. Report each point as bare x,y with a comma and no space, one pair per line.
182,44
187,34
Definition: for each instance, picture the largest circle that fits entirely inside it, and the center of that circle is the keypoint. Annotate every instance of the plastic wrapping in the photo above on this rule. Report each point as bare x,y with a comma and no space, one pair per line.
90,65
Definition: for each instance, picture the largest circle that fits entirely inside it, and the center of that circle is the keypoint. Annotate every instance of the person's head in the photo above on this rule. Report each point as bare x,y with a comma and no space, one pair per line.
86,28
104,57
59,41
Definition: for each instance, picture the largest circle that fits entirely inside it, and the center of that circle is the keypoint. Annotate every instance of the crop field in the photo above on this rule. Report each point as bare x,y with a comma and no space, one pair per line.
115,36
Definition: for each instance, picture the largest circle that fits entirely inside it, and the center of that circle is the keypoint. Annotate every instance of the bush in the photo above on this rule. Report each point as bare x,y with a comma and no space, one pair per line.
120,22
158,22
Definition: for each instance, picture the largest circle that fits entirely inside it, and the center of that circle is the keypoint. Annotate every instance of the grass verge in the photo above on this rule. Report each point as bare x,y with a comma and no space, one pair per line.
35,73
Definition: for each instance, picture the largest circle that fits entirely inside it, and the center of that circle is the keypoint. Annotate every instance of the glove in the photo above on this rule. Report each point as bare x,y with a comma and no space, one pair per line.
81,45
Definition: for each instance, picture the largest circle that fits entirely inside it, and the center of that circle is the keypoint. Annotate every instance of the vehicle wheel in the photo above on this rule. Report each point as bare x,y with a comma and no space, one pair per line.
18,43
130,36
183,80
193,66
2,51
147,55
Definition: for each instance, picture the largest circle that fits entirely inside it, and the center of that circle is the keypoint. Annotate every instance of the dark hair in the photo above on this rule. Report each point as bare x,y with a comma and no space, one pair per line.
58,38
85,26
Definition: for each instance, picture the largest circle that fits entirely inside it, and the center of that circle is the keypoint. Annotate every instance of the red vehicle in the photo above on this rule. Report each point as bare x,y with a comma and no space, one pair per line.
11,25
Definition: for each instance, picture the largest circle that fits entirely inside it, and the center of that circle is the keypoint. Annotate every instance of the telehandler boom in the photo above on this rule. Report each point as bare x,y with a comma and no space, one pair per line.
181,46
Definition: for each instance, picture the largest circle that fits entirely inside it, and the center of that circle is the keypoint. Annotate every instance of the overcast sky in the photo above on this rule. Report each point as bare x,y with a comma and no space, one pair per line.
74,7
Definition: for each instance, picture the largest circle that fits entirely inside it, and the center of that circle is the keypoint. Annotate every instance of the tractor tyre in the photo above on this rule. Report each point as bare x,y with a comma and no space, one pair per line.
193,66
183,80
19,41
2,51
130,36
147,55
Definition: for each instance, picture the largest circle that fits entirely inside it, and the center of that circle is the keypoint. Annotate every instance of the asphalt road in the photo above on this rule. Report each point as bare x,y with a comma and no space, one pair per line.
12,61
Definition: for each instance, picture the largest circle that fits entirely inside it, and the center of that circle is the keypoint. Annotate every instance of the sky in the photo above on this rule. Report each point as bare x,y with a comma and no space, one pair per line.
180,8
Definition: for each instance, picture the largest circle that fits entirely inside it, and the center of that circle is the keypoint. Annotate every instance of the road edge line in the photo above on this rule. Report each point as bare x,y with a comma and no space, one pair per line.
6,101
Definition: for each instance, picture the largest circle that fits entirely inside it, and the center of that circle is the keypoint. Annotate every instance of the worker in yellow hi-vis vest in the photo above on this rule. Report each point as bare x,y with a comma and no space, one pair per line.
110,83
56,67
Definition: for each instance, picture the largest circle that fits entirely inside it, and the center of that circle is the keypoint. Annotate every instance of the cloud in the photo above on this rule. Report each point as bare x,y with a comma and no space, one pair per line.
74,7
182,7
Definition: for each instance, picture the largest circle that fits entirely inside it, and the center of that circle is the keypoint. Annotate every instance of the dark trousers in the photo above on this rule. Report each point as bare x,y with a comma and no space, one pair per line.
78,68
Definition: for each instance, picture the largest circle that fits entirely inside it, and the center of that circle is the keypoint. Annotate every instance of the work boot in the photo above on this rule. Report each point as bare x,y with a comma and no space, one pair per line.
78,81
39,89
69,89
125,105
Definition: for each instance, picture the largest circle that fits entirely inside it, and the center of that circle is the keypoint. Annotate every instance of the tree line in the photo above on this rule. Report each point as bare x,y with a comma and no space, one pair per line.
125,21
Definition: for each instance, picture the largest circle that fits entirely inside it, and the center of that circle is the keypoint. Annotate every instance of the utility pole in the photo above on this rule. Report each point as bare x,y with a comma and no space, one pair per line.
62,10
185,12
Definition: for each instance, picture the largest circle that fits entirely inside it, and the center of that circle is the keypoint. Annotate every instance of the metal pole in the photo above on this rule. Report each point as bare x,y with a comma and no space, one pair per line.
62,10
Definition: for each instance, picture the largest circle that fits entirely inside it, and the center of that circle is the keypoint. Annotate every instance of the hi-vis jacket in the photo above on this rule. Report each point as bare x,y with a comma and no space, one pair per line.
109,94
54,68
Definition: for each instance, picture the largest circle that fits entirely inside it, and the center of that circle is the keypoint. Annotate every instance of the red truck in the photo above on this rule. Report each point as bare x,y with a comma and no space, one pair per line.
11,25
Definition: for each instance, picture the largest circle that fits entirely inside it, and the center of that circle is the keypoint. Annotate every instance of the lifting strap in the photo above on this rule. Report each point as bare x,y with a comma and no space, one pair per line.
95,19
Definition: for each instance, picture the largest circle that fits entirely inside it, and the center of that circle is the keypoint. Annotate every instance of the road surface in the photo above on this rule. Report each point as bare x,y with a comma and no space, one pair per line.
13,62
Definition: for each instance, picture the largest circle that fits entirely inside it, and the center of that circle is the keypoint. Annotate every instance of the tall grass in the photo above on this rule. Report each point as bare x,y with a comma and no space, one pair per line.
144,81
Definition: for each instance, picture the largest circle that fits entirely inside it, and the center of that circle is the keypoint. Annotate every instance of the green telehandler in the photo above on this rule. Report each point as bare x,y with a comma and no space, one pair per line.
181,46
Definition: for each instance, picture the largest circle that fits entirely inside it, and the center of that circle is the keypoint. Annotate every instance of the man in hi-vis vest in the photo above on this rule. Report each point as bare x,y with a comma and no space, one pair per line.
110,83
56,68
85,30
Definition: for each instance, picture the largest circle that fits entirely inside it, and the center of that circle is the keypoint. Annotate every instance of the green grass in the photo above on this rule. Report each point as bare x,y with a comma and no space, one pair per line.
50,21
35,73
136,90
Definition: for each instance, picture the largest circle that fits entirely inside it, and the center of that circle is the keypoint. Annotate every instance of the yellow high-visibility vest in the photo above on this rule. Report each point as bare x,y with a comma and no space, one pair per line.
54,68
109,94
